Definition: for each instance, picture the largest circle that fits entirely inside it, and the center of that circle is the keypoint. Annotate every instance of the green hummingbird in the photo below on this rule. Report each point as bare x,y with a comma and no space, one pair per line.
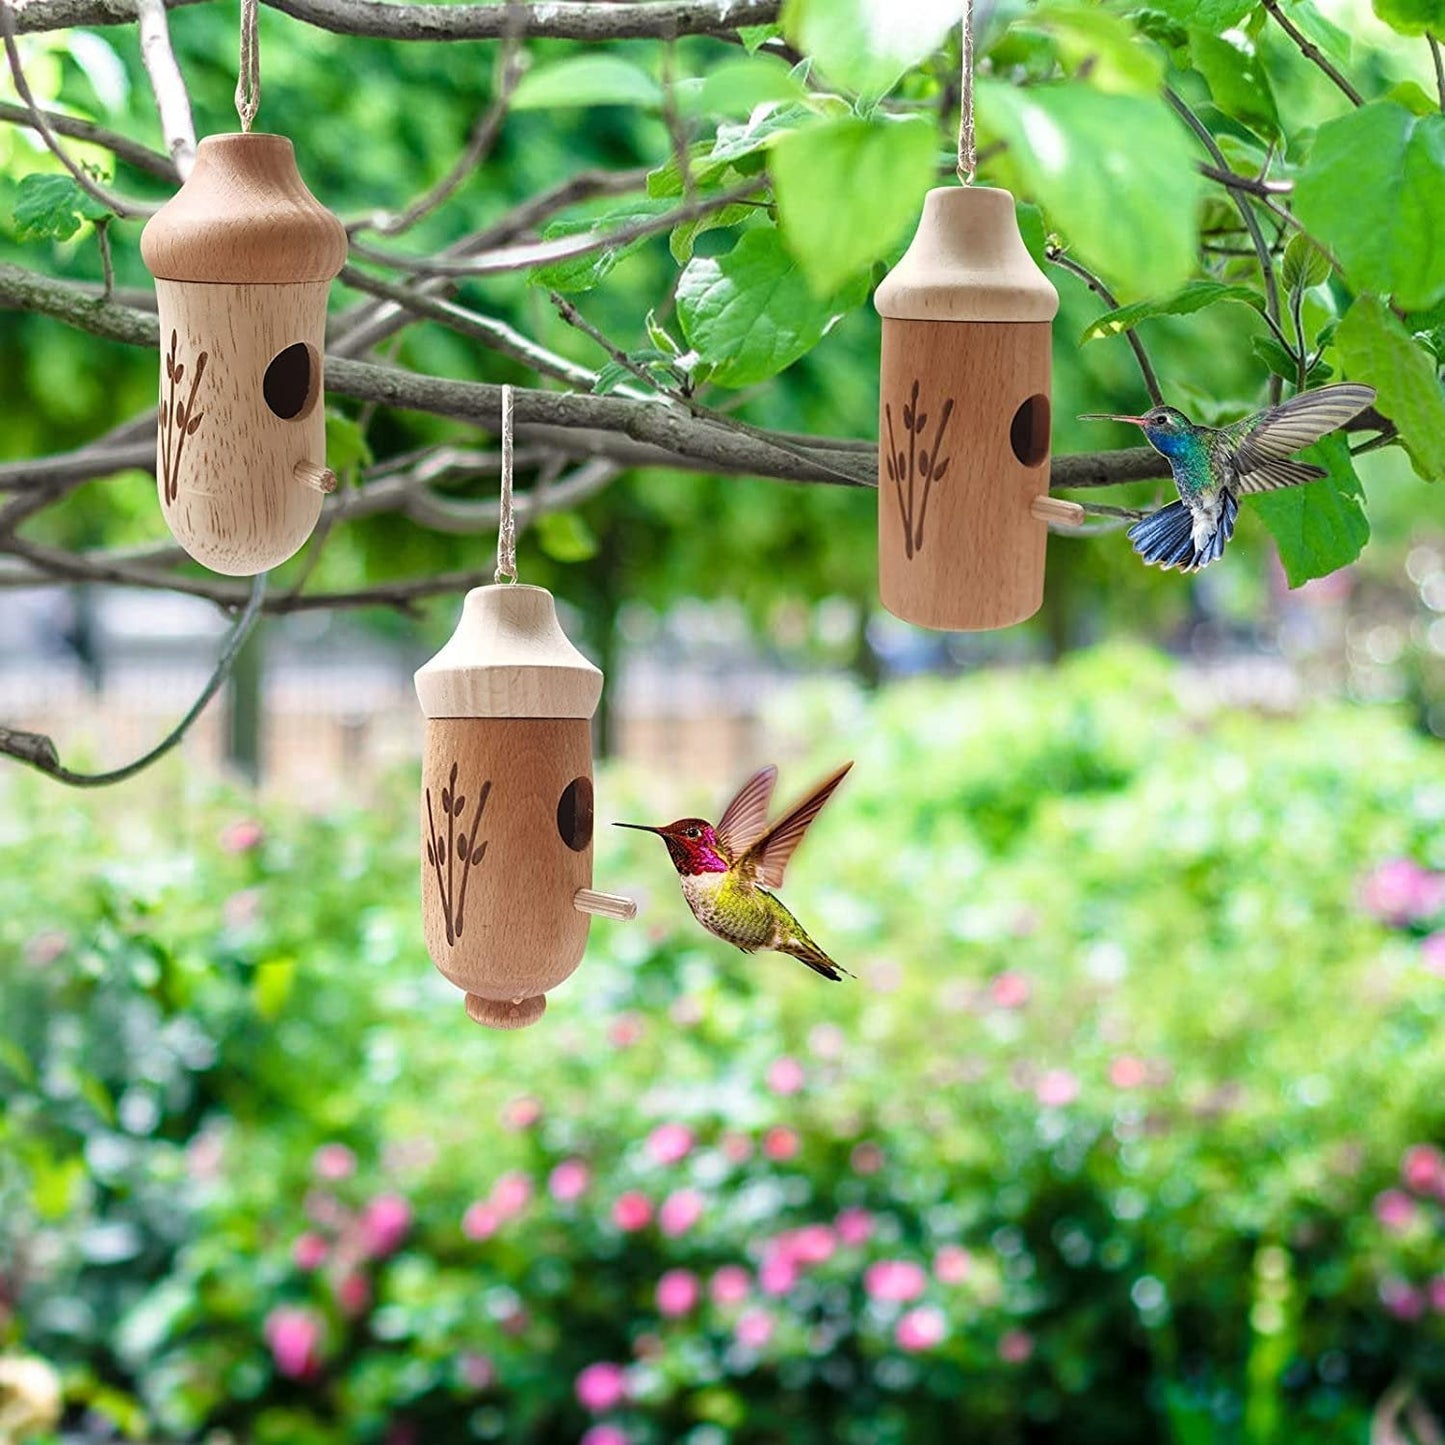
727,871
1214,466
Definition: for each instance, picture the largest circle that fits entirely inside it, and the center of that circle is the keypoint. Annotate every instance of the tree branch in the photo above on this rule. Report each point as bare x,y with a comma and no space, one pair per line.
556,20
1312,52
168,86
131,153
39,751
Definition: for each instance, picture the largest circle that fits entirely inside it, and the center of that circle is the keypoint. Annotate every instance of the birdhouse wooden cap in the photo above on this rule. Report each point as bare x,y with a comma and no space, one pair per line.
244,215
967,262
509,658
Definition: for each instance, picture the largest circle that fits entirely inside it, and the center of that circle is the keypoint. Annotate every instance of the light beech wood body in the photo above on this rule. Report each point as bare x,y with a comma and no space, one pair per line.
238,490
963,453
498,908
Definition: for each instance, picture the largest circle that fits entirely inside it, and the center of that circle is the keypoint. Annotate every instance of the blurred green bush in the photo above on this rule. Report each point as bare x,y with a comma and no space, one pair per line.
1127,1131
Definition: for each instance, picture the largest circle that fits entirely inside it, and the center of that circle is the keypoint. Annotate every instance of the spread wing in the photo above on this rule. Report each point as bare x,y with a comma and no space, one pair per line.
1282,430
1271,476
747,814
767,858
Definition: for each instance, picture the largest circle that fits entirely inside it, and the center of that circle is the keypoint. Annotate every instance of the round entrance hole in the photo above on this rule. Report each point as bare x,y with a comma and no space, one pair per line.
290,383
1028,433
574,814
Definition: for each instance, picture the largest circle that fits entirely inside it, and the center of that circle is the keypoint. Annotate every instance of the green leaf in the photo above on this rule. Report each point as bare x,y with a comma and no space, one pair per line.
739,86
1375,347
1305,265
750,313
346,444
849,189
1088,38
1193,297
582,273
1374,194
683,238
1215,15
1236,78
1126,209
1413,96
1325,33
593,79
566,537
271,987
865,45
1412,17
50,207
735,147
754,36
1274,356
611,375
1321,526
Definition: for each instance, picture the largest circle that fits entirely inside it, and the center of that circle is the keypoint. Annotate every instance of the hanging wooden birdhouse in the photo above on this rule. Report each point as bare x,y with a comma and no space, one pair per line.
243,256
506,810
963,455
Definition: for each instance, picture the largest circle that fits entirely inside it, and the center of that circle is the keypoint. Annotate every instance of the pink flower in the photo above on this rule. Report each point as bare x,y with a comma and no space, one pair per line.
854,1226
1016,1347
1400,891
778,1272
1402,1300
781,1143
602,1387
1395,1210
1010,990
1423,1169
731,1284
521,1113
754,1329
480,1221
678,1292
951,1265
896,1281
310,1251
1127,1072
785,1076
604,1435
385,1224
670,1143
568,1181
626,1031
1436,1291
1056,1088
921,1329
827,1041
44,948
511,1194
866,1158
477,1370
242,836
1432,953
294,1337
633,1211
353,1294
680,1211
333,1161
813,1244
737,1147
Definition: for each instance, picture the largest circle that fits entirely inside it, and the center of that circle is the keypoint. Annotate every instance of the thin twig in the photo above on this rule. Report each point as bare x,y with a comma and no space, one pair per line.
1312,52
129,152
39,751
1151,380
1439,60
1254,187
672,119
168,85
82,177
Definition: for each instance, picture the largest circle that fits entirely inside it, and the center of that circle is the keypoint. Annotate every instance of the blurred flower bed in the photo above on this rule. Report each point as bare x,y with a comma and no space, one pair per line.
1129,1129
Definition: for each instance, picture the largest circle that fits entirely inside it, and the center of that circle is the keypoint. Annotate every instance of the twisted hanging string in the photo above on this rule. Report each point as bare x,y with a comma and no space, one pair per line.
967,155
248,83
507,531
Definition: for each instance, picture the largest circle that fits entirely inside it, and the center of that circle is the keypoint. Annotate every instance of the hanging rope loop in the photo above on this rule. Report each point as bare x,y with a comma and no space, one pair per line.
967,149
507,529
248,82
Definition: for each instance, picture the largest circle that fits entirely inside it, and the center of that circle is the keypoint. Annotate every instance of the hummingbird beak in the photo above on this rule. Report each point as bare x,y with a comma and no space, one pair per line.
641,827
1108,416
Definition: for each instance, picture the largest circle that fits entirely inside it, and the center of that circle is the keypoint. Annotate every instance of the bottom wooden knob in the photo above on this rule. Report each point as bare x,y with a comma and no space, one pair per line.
514,1014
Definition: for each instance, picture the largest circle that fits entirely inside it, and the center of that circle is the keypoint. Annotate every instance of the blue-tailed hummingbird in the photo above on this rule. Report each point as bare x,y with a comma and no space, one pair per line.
727,871
1214,466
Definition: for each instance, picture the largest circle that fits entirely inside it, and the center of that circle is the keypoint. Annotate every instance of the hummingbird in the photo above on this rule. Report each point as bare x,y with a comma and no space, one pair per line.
727,872
1214,466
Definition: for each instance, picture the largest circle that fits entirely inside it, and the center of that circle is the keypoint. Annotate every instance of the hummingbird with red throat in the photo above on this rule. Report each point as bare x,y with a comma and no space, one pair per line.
728,871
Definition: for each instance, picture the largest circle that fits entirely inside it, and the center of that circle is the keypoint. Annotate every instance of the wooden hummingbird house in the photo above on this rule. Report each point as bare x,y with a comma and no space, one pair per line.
506,809
243,256
964,416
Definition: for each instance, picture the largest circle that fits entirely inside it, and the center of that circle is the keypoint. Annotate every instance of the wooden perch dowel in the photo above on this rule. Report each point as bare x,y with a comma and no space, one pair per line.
1055,509
604,905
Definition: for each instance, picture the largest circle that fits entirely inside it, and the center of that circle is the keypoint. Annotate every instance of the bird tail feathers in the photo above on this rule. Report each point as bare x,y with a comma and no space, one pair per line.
1166,538
806,951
